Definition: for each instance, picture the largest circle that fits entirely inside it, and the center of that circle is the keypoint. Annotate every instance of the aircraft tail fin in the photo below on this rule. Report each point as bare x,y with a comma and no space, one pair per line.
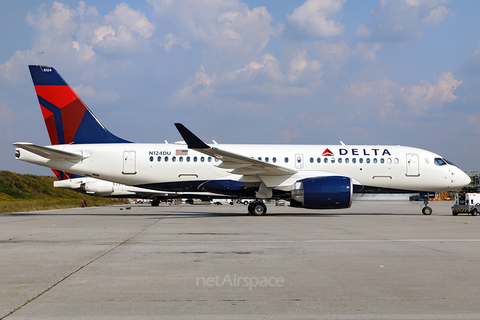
67,118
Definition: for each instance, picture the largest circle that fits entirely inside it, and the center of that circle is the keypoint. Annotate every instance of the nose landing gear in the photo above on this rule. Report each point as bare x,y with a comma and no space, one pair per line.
426,209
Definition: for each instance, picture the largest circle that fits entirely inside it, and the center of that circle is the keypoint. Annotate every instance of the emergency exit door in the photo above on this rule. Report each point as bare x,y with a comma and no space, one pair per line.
412,165
129,162
299,161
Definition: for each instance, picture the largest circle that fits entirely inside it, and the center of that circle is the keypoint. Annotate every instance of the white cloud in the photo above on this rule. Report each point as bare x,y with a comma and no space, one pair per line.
14,70
199,87
102,31
170,41
135,21
387,98
7,114
301,65
314,20
401,20
229,25
436,16
373,97
423,97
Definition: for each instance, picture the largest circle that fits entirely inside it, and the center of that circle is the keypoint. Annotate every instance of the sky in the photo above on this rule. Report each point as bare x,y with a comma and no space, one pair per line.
389,72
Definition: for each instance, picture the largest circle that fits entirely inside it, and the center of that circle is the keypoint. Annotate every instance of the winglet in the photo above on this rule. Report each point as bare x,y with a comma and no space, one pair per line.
192,140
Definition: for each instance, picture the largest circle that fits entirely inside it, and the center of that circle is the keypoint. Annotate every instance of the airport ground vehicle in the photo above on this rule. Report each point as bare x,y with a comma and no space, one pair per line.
468,203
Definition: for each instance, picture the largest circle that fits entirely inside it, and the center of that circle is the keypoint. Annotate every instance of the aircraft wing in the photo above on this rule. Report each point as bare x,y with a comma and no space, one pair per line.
49,153
240,164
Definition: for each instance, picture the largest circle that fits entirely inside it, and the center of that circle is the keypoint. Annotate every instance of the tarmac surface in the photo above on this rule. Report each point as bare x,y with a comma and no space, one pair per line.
376,260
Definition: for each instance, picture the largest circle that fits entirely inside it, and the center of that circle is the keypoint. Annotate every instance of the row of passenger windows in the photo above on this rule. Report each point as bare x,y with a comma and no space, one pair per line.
274,159
195,159
354,160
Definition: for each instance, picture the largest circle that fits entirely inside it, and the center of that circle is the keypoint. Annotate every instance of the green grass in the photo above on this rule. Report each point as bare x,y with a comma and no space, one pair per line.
25,192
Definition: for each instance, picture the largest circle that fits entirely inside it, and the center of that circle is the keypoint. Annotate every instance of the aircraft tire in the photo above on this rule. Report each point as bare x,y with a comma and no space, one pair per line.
257,208
427,211
250,208
155,203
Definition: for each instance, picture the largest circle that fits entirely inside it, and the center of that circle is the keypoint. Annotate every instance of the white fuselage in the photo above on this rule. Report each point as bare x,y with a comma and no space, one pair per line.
392,167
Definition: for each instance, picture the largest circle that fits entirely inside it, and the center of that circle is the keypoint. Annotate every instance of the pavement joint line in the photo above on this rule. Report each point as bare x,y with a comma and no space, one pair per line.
313,241
85,265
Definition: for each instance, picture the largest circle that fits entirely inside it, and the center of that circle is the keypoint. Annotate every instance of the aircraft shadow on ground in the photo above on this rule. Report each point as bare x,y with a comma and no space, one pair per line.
183,214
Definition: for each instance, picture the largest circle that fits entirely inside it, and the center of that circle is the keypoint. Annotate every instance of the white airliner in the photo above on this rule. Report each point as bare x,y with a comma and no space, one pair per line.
309,176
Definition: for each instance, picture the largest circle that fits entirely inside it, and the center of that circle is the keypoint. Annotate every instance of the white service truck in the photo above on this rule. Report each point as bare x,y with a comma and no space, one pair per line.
468,203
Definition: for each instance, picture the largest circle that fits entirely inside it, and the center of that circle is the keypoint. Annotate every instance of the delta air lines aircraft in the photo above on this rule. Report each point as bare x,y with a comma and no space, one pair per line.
309,176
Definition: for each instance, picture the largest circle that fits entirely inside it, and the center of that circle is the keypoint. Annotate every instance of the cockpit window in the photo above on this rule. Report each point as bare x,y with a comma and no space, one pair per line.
449,162
440,162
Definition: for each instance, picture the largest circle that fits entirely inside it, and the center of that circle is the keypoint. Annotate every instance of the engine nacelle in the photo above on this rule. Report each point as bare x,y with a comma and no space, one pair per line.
97,187
332,192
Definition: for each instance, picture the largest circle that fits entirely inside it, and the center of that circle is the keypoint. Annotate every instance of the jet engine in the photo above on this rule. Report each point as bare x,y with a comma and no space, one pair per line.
97,187
332,192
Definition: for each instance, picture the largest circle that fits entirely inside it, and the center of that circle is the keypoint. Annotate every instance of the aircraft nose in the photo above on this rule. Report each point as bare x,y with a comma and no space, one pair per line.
463,179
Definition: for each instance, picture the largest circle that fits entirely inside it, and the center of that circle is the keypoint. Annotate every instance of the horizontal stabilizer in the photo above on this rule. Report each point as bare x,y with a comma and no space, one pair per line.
50,153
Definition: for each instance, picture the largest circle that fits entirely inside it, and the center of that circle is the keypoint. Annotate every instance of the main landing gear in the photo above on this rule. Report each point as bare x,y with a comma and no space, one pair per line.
257,208
426,209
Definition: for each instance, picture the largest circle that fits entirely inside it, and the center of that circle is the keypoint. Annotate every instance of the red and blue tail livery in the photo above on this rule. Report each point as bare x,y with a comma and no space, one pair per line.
67,118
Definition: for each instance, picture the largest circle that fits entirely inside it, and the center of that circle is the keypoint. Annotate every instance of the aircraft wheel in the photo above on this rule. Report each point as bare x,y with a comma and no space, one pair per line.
155,203
427,211
257,208
250,208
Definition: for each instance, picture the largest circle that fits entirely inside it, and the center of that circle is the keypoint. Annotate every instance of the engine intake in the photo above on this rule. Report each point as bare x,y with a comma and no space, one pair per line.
332,192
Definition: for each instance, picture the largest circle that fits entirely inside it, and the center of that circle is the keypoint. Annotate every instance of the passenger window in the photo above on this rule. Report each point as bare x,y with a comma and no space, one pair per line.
286,159
374,160
332,160
389,161
346,160
151,159
266,159
319,160
368,160
339,160
260,158
209,159
354,160
274,159
382,160
166,159
188,159
325,160
396,161
216,160
202,159
159,159
311,160
174,159
360,160
180,159
195,159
